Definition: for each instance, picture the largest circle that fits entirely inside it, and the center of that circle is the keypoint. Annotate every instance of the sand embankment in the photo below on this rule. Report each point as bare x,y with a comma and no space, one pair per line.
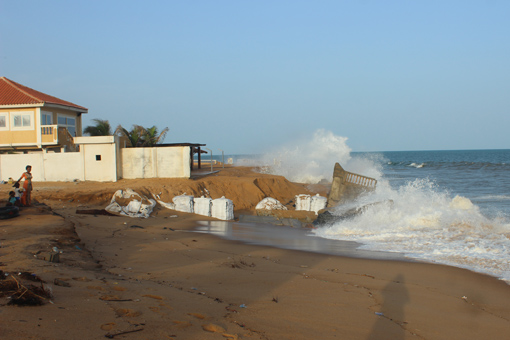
156,278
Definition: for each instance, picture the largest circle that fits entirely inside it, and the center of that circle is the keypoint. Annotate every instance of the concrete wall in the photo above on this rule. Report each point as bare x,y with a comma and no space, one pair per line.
161,162
66,166
98,160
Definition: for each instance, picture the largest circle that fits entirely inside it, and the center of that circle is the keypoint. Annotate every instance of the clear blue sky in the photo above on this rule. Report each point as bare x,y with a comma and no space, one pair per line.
245,75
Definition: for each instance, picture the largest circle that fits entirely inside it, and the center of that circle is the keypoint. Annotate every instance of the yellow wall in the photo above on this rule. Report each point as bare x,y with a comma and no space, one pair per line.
29,137
25,136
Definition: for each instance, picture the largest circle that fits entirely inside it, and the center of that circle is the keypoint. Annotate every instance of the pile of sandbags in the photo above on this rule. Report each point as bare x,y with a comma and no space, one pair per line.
130,203
220,208
270,203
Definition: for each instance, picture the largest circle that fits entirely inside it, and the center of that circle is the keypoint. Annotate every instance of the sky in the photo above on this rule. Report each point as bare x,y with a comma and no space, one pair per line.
245,76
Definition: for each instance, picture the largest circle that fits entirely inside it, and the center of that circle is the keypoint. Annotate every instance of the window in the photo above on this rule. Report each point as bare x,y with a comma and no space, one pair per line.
46,118
69,123
22,120
3,121
98,157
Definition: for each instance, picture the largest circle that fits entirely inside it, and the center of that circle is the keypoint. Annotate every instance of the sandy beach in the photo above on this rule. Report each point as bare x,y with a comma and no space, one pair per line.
155,278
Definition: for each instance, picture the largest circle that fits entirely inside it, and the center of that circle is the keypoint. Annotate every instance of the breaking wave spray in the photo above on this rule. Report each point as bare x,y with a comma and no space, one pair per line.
417,218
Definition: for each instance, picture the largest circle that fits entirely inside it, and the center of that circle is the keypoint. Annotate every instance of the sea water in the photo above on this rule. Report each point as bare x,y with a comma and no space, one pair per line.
448,207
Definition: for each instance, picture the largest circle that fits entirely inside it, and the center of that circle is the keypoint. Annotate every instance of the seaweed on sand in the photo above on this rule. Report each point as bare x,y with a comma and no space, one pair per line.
23,295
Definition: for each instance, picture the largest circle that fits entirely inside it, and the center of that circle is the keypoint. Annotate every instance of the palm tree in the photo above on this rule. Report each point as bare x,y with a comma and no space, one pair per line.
151,136
142,137
102,128
135,136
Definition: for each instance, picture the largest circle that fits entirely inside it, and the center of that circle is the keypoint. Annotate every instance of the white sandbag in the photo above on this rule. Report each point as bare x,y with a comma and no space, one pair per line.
130,203
223,209
183,203
303,202
202,206
270,203
164,204
318,203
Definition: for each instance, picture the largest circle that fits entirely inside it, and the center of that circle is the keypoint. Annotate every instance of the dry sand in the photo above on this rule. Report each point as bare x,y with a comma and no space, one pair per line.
156,279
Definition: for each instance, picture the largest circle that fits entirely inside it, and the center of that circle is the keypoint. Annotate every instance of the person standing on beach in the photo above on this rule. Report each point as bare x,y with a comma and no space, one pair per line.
26,198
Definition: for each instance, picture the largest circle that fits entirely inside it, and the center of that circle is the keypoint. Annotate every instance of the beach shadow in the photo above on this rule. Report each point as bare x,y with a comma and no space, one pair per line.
391,321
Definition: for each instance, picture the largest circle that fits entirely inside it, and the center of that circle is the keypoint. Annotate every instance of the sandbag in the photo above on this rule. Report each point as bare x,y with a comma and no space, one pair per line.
223,209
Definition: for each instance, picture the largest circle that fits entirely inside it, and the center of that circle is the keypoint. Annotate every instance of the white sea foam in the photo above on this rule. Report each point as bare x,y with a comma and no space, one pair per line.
424,222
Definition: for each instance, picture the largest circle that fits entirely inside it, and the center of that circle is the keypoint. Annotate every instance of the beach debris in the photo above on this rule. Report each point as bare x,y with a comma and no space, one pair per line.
29,277
346,186
242,306
54,257
136,226
464,298
379,314
129,203
275,299
270,203
61,282
111,336
20,294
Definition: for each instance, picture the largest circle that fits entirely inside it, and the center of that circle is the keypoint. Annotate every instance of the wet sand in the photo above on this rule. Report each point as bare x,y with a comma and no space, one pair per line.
159,278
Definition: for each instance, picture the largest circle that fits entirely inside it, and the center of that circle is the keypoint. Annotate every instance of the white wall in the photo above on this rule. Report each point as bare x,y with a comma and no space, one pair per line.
66,166
55,167
14,166
100,161
161,162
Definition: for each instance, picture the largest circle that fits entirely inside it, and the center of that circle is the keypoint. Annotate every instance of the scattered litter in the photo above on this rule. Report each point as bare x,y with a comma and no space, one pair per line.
61,282
111,336
464,298
379,313
242,306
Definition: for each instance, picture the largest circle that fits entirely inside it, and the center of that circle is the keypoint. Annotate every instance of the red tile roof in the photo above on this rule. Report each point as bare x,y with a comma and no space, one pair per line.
12,93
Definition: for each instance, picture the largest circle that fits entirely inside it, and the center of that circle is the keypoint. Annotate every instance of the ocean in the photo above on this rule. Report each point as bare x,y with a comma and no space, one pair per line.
447,207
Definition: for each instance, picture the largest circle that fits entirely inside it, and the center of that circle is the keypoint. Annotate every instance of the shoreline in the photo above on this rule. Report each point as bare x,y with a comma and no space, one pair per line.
157,279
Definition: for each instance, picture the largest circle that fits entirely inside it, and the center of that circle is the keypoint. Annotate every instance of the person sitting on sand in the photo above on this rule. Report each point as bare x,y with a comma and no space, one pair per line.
26,198
12,199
